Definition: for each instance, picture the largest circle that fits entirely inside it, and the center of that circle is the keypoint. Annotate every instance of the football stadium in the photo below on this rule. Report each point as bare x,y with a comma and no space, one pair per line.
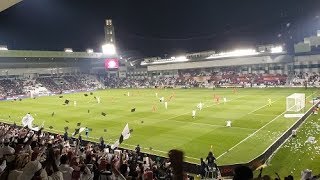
232,114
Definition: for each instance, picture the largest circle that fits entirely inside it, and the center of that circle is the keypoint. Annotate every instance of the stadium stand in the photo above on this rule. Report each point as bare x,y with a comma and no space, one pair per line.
28,154
313,79
194,78
10,87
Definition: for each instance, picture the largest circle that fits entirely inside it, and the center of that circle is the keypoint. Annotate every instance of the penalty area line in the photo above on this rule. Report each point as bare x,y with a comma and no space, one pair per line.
251,135
263,106
256,131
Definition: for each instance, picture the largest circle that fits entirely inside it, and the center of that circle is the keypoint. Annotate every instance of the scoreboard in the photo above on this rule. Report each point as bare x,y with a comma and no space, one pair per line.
111,64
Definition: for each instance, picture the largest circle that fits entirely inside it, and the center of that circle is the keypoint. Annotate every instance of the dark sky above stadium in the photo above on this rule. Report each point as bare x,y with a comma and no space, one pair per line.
154,28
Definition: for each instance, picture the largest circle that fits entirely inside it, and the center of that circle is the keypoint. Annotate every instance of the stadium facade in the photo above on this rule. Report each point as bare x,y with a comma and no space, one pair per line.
35,63
268,59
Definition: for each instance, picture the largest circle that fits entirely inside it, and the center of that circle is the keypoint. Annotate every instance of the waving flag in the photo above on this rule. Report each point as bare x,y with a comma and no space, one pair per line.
78,131
27,121
124,136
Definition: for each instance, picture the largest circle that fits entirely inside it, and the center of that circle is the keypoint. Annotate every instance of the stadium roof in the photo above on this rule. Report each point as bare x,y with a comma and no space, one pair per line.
50,54
5,4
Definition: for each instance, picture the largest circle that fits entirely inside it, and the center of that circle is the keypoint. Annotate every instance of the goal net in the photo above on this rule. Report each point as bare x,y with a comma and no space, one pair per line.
295,102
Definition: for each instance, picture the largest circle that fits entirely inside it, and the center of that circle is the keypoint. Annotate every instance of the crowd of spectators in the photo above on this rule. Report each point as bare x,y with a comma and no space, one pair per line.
185,78
312,79
26,155
9,87
149,82
230,77
199,79
30,155
49,83
66,83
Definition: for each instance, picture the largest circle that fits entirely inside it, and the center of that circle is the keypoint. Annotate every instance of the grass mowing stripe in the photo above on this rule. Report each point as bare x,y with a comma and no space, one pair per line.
193,136
256,132
156,150
262,106
250,135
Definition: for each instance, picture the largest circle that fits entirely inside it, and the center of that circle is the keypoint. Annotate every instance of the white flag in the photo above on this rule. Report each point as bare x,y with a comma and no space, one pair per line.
78,132
124,135
27,120
116,144
126,132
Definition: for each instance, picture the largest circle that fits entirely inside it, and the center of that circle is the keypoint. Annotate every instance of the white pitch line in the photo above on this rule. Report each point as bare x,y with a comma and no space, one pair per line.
255,132
164,152
263,106
176,121
213,125
262,115
203,108
251,135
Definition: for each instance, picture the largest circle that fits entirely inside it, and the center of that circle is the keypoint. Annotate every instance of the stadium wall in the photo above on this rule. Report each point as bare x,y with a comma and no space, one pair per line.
307,63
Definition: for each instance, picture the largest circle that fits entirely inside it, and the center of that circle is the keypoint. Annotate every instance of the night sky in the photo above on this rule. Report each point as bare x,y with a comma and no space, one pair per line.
155,28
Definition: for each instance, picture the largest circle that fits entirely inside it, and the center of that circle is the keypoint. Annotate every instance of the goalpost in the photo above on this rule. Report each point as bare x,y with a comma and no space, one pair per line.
295,102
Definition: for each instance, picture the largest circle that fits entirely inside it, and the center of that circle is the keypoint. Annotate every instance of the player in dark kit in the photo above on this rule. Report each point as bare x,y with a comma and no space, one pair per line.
87,132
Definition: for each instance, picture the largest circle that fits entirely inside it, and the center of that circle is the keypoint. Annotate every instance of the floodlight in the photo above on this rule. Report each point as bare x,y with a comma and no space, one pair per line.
3,48
181,58
89,51
109,49
235,53
68,50
173,57
277,49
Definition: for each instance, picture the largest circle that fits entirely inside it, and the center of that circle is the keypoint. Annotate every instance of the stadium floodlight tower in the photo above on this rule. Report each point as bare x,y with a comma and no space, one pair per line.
68,50
90,51
295,102
276,49
109,49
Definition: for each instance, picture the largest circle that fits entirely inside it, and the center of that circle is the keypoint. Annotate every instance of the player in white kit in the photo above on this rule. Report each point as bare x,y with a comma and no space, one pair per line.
193,114
224,100
228,123
156,95
166,105
98,100
74,103
200,106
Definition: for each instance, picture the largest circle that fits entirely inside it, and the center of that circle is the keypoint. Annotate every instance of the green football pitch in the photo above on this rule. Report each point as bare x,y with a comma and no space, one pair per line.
255,125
